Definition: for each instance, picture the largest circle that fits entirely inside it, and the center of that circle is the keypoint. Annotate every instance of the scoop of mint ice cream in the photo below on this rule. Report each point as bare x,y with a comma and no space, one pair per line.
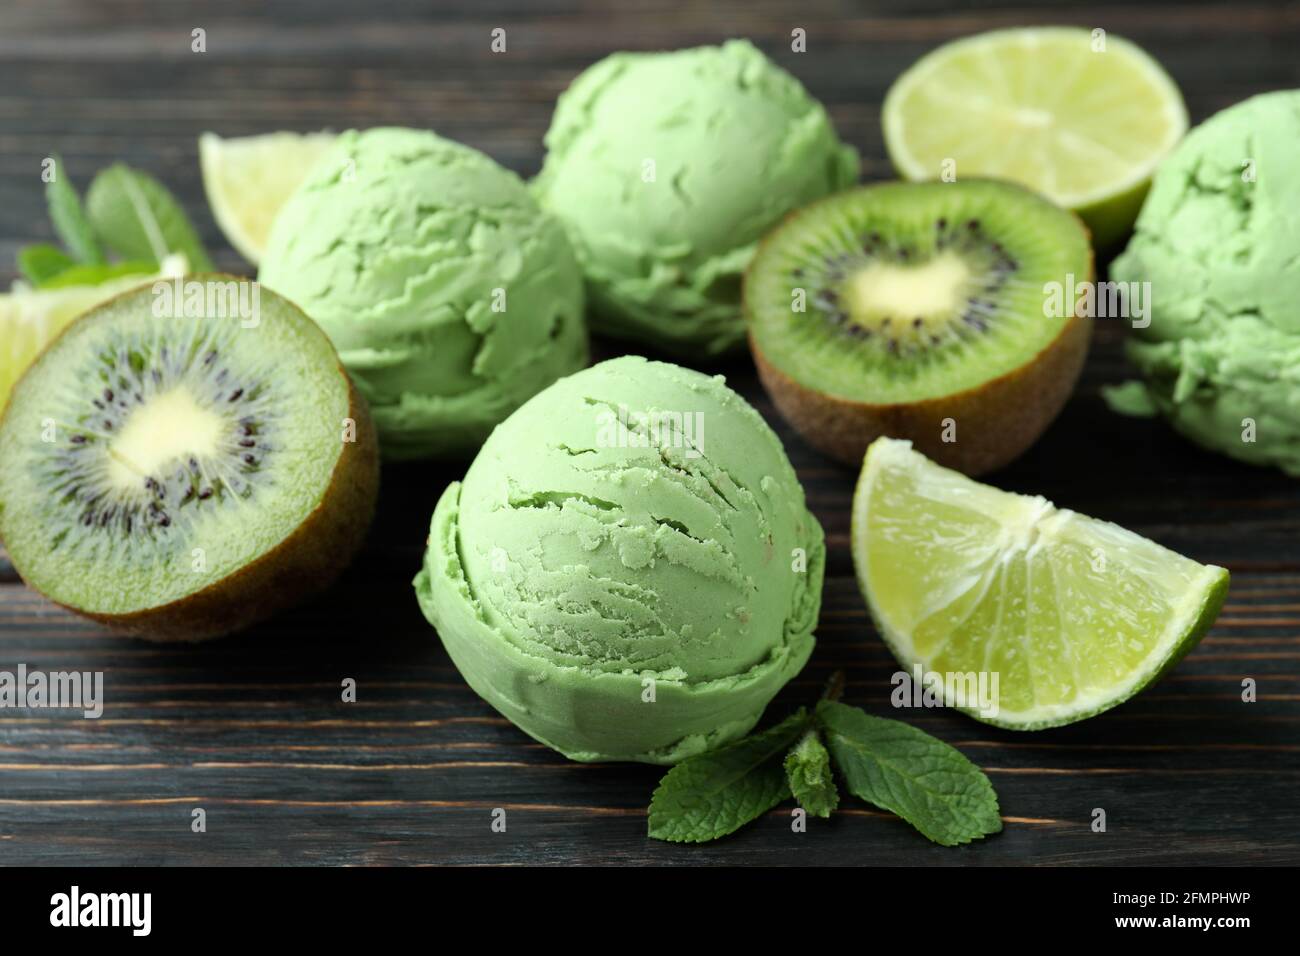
667,168
1219,241
451,297
635,527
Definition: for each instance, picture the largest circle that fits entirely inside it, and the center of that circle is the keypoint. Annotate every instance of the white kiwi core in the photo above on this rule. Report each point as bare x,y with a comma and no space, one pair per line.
883,294
171,426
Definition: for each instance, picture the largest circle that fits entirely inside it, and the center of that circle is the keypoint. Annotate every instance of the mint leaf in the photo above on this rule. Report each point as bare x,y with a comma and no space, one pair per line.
138,218
69,219
94,275
712,794
808,771
906,771
1129,398
42,262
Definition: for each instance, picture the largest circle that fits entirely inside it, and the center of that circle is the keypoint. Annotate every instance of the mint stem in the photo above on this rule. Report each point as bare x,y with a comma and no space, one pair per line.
834,686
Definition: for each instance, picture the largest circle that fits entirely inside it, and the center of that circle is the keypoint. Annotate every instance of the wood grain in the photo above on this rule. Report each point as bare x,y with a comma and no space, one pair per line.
252,728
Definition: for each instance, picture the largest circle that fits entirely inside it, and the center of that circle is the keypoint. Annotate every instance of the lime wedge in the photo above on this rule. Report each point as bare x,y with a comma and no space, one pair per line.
1081,116
30,319
1070,615
247,180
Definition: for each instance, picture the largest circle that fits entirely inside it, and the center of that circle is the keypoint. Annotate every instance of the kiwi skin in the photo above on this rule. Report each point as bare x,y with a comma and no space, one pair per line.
995,422
303,564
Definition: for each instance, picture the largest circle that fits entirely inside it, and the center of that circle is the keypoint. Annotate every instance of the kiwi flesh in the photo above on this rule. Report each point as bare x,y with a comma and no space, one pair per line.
916,310
182,473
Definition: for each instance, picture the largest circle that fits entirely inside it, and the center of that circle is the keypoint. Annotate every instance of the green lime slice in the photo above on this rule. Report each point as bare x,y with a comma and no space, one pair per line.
1081,116
1073,615
248,178
31,318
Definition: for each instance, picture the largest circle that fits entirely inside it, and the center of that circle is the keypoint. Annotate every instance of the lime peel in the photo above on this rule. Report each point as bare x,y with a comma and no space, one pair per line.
1074,615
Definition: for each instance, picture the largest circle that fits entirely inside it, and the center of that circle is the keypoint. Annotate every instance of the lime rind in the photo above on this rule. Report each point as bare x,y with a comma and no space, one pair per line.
1198,595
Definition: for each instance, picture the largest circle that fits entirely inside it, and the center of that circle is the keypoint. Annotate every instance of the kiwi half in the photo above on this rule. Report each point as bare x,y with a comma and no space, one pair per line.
916,310
181,466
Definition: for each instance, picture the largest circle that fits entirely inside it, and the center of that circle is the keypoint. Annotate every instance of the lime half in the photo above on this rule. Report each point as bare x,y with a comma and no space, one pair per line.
247,180
31,318
1081,116
1064,616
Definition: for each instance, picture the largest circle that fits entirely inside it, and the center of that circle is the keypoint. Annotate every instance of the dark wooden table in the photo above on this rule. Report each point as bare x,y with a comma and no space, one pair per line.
252,729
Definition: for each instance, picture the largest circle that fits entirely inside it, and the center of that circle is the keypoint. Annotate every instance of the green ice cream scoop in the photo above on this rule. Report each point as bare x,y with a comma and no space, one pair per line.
1219,242
667,168
629,570
451,297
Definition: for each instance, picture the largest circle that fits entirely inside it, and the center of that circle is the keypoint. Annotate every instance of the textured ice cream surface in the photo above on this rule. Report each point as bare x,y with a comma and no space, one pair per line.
634,529
1219,241
451,296
667,168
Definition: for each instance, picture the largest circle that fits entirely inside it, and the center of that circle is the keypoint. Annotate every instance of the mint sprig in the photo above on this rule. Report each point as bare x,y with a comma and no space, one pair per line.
41,262
808,771
906,771
97,275
138,218
887,763
126,211
716,793
69,219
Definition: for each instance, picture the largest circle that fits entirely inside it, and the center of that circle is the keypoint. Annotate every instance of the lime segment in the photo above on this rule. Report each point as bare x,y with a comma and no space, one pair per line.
247,180
1079,116
30,319
1073,615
